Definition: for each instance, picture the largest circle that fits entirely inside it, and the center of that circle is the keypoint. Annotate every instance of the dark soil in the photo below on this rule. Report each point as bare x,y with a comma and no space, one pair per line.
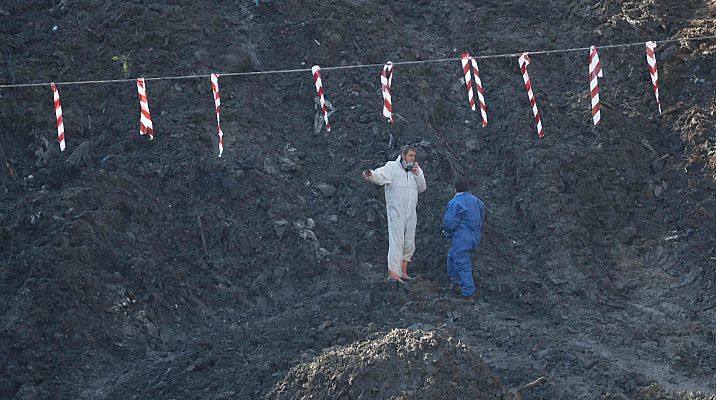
132,269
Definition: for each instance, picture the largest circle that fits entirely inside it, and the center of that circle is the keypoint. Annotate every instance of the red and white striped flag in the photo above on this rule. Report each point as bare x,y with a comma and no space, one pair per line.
480,92
467,62
465,58
316,70
58,115
386,79
145,119
651,60
217,103
524,61
595,71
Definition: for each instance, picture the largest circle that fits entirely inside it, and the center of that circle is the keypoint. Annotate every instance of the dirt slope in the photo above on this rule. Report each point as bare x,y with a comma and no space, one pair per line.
137,269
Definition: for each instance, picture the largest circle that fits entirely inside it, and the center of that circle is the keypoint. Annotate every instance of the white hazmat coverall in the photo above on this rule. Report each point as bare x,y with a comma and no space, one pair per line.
401,198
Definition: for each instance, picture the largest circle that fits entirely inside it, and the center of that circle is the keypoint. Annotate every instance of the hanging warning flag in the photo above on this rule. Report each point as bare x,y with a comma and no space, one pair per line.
386,79
480,92
217,103
595,71
524,61
316,70
467,62
58,115
651,60
468,80
145,119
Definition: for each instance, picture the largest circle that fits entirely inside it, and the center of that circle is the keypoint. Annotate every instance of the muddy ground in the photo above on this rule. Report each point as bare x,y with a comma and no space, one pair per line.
133,269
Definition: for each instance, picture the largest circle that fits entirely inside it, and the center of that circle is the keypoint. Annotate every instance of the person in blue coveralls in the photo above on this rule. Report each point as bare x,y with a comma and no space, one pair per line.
463,226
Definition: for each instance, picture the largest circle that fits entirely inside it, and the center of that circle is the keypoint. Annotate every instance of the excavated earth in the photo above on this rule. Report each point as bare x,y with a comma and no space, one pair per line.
137,269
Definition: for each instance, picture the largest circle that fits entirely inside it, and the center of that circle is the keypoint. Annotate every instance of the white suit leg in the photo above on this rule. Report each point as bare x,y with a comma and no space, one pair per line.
409,241
396,238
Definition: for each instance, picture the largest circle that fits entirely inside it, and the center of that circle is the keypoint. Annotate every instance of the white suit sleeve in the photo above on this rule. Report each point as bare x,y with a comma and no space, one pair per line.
420,180
380,176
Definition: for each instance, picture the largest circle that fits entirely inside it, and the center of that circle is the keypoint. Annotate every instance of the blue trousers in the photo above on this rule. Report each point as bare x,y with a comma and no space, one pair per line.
459,270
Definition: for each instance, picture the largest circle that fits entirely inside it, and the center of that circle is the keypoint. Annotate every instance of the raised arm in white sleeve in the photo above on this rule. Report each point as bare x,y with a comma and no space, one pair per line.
380,176
420,181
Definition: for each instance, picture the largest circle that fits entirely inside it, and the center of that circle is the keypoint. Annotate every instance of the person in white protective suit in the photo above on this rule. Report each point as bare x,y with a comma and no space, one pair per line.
402,180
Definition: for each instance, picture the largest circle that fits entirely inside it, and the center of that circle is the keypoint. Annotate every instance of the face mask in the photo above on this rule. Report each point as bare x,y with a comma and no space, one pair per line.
406,165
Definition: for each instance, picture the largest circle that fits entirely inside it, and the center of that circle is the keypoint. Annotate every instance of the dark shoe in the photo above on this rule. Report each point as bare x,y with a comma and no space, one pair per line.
399,283
410,279
455,288
464,300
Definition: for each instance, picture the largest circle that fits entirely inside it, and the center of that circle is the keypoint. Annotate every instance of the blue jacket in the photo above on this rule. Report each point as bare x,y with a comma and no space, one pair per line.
463,221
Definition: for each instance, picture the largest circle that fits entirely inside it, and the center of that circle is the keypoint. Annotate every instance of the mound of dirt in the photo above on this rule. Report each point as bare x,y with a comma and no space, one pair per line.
403,364
658,392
